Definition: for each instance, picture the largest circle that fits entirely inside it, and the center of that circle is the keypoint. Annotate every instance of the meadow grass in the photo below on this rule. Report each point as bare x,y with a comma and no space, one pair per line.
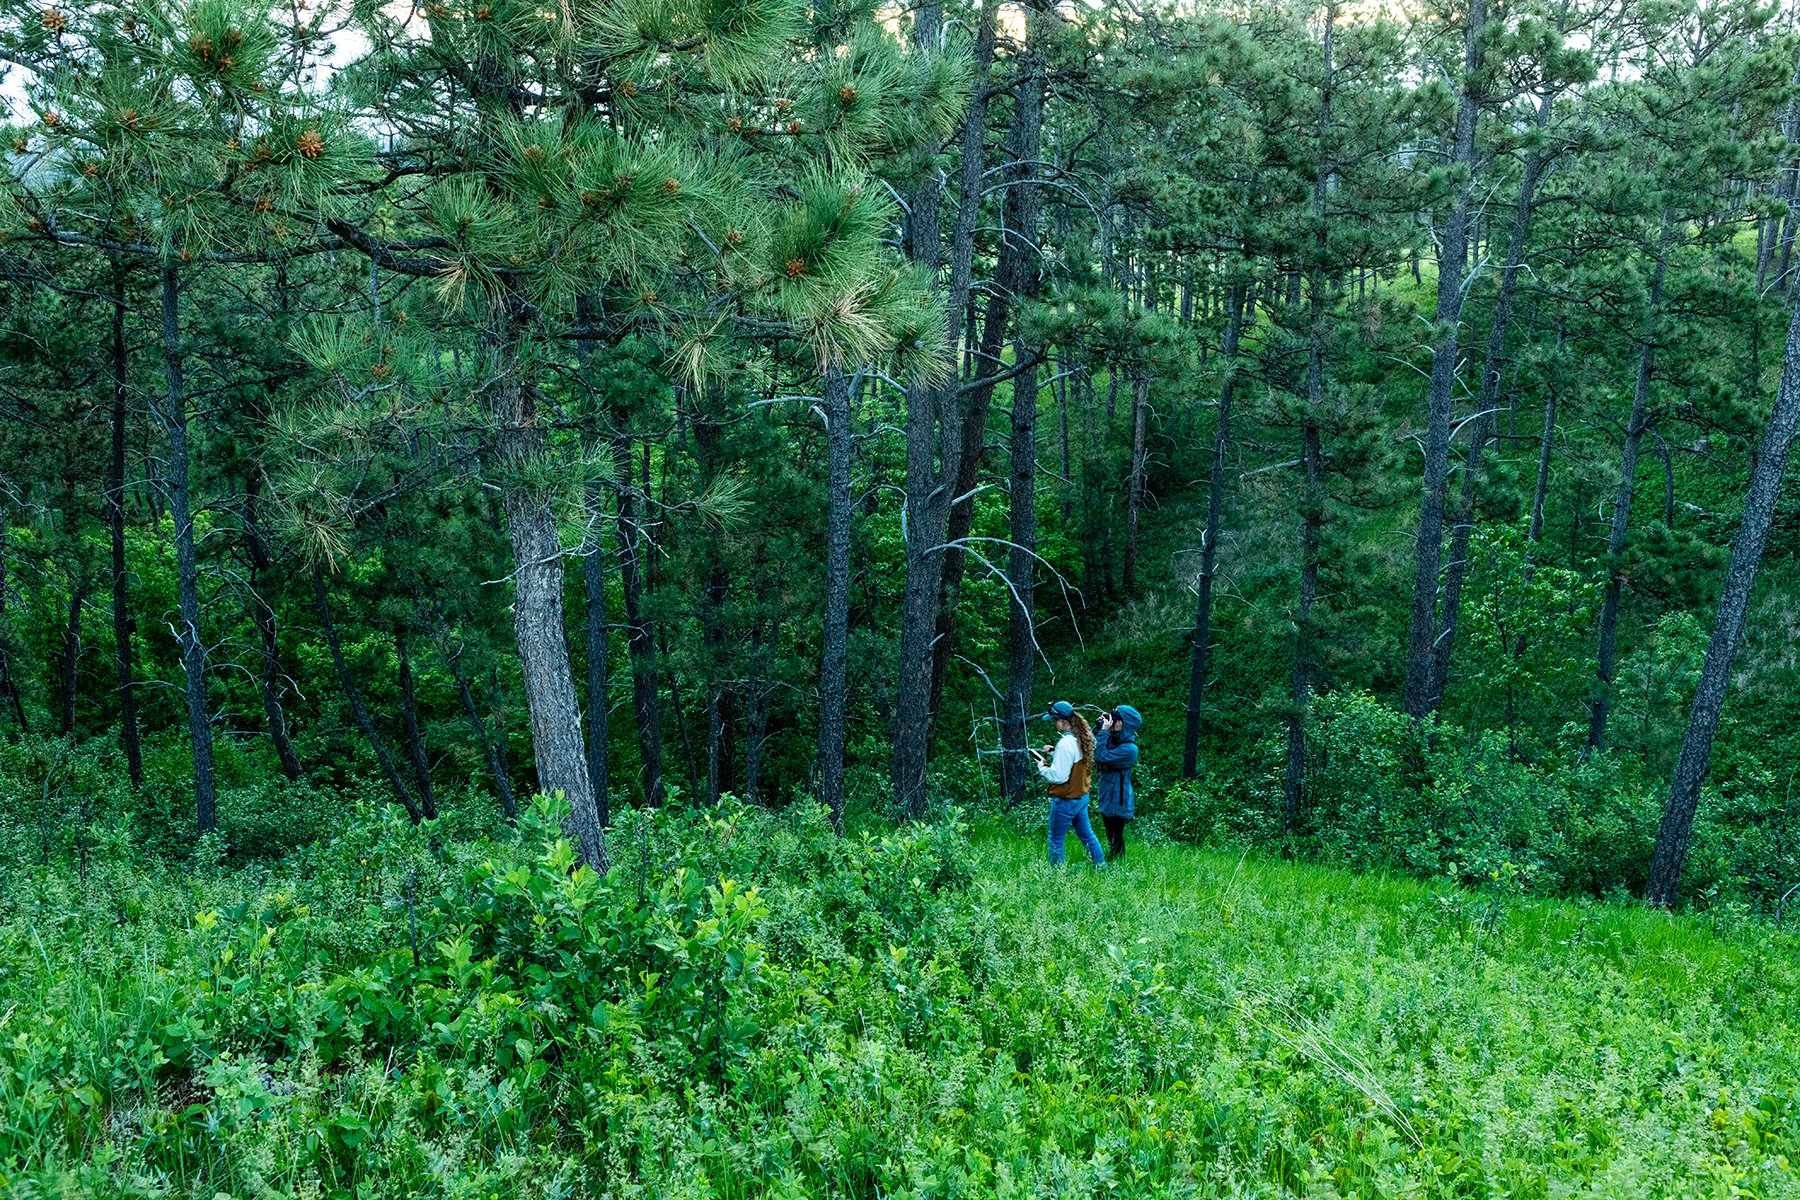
878,1021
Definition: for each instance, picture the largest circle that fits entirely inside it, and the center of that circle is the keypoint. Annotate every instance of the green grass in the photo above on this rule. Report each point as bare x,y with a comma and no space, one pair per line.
1184,1023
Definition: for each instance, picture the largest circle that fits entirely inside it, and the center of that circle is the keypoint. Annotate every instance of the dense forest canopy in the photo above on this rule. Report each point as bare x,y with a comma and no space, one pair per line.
650,402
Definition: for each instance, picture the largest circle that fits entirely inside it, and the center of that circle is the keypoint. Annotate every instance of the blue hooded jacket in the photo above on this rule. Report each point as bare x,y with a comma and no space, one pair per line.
1113,759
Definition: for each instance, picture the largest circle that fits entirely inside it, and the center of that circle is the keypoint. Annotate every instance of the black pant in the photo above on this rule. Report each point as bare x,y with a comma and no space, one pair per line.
1115,835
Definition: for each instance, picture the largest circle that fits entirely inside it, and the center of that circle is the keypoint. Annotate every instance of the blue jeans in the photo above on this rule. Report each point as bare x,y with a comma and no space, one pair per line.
1064,813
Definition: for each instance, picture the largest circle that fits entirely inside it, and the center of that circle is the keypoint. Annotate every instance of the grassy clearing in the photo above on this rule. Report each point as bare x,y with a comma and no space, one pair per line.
906,1015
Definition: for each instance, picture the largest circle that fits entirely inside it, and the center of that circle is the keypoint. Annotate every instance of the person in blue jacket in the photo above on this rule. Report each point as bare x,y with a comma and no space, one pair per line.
1114,757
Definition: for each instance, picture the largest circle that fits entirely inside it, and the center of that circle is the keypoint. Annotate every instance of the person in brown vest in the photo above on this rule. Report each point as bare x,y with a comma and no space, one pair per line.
1067,768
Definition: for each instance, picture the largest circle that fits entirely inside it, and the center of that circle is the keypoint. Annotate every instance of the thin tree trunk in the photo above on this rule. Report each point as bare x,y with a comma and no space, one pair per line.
187,573
71,656
679,708
415,737
834,662
268,683
1209,548
1134,494
1311,524
759,710
1452,254
1535,532
1615,542
1789,189
712,633
1728,629
639,644
489,752
1312,518
358,712
115,510
1487,400
1021,577
593,578
7,681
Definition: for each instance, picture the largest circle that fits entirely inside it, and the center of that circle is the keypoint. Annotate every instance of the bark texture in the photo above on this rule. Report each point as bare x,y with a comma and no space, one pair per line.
1728,628
1483,424
115,512
834,662
1209,546
1440,396
187,572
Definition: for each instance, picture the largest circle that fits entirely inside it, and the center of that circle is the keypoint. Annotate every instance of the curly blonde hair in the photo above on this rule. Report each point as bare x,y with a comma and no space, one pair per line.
1084,736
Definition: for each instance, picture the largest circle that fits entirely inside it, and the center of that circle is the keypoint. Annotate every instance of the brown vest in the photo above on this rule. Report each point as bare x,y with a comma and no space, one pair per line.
1077,783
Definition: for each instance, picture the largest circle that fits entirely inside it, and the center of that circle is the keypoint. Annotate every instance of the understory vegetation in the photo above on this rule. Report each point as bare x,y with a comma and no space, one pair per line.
749,1005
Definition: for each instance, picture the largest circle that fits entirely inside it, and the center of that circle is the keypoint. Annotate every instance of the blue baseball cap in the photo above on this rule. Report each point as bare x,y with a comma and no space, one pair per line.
1062,708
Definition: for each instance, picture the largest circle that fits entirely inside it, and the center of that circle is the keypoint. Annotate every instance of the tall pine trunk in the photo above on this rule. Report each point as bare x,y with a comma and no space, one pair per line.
538,628
834,663
1312,516
1017,775
1621,523
934,438
187,572
1209,547
1019,223
1009,271
1457,568
1440,396
1728,629
115,512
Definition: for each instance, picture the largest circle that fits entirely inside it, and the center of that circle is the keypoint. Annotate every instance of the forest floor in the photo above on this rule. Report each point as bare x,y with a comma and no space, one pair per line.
1186,1022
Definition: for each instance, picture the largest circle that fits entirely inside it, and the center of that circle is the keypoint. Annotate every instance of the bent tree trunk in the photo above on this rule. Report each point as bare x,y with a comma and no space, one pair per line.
115,511
1209,548
1429,549
1728,629
1621,523
834,663
187,574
